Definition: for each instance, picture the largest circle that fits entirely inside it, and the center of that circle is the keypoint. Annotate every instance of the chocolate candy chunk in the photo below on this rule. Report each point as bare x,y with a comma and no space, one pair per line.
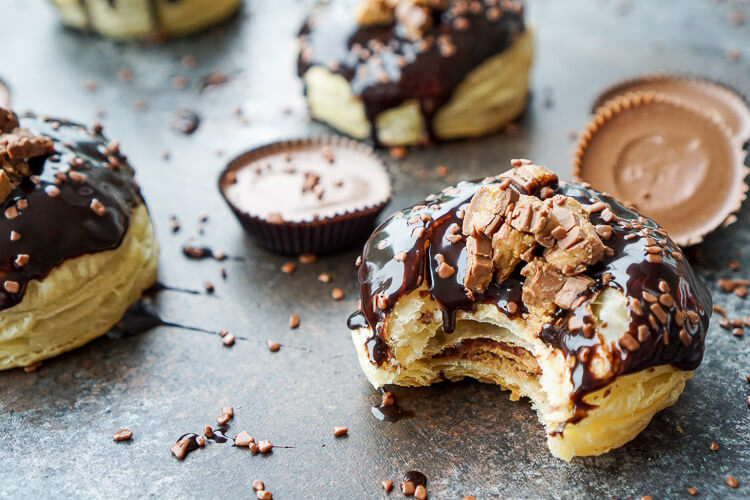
519,223
529,177
8,120
479,263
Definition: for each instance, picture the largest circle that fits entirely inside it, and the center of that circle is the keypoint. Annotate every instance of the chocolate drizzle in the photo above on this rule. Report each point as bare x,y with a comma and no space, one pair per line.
53,229
413,69
384,280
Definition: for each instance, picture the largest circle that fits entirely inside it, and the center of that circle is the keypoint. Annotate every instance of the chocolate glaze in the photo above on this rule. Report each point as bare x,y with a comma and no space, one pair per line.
54,229
330,34
381,275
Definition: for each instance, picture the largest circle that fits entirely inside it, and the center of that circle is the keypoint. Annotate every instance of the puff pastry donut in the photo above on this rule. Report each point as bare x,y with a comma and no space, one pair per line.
77,247
551,290
404,72
144,18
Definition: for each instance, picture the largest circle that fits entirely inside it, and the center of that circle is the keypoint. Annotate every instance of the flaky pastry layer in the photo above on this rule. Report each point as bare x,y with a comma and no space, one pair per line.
489,346
80,299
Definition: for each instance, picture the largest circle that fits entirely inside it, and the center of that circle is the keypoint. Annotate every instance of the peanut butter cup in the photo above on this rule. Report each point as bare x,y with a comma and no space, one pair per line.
307,195
674,162
716,99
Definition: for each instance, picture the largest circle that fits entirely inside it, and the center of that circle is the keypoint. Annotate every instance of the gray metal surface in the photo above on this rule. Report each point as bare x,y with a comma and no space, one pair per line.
56,424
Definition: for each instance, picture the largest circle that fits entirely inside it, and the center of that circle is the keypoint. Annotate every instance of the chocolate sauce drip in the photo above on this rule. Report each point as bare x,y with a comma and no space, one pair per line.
54,229
142,316
192,442
219,435
415,477
384,280
633,274
416,70
390,413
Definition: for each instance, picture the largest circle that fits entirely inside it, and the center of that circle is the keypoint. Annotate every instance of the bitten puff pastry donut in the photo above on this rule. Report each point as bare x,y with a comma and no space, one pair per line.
77,247
144,18
553,291
403,72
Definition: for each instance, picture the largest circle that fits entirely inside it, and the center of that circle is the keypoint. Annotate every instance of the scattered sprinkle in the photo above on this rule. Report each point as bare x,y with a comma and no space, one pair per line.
122,435
293,321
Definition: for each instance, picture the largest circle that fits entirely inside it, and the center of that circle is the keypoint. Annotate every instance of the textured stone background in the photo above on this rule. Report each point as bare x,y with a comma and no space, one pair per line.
56,424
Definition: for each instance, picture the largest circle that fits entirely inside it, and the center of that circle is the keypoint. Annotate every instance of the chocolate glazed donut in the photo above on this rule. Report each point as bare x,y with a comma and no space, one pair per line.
427,68
77,247
667,306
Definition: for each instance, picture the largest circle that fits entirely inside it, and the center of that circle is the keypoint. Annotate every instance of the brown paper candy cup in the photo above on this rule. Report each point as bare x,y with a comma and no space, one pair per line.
317,235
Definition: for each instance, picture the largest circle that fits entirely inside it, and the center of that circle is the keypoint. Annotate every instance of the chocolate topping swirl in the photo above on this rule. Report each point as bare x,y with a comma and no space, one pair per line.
386,66
668,306
74,200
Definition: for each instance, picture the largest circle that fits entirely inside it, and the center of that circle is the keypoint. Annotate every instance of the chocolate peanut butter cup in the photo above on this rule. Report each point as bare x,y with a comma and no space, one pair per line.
307,195
674,162
714,98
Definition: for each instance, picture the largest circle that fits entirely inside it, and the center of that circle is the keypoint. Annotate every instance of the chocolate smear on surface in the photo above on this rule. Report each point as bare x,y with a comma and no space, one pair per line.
416,477
389,410
142,316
